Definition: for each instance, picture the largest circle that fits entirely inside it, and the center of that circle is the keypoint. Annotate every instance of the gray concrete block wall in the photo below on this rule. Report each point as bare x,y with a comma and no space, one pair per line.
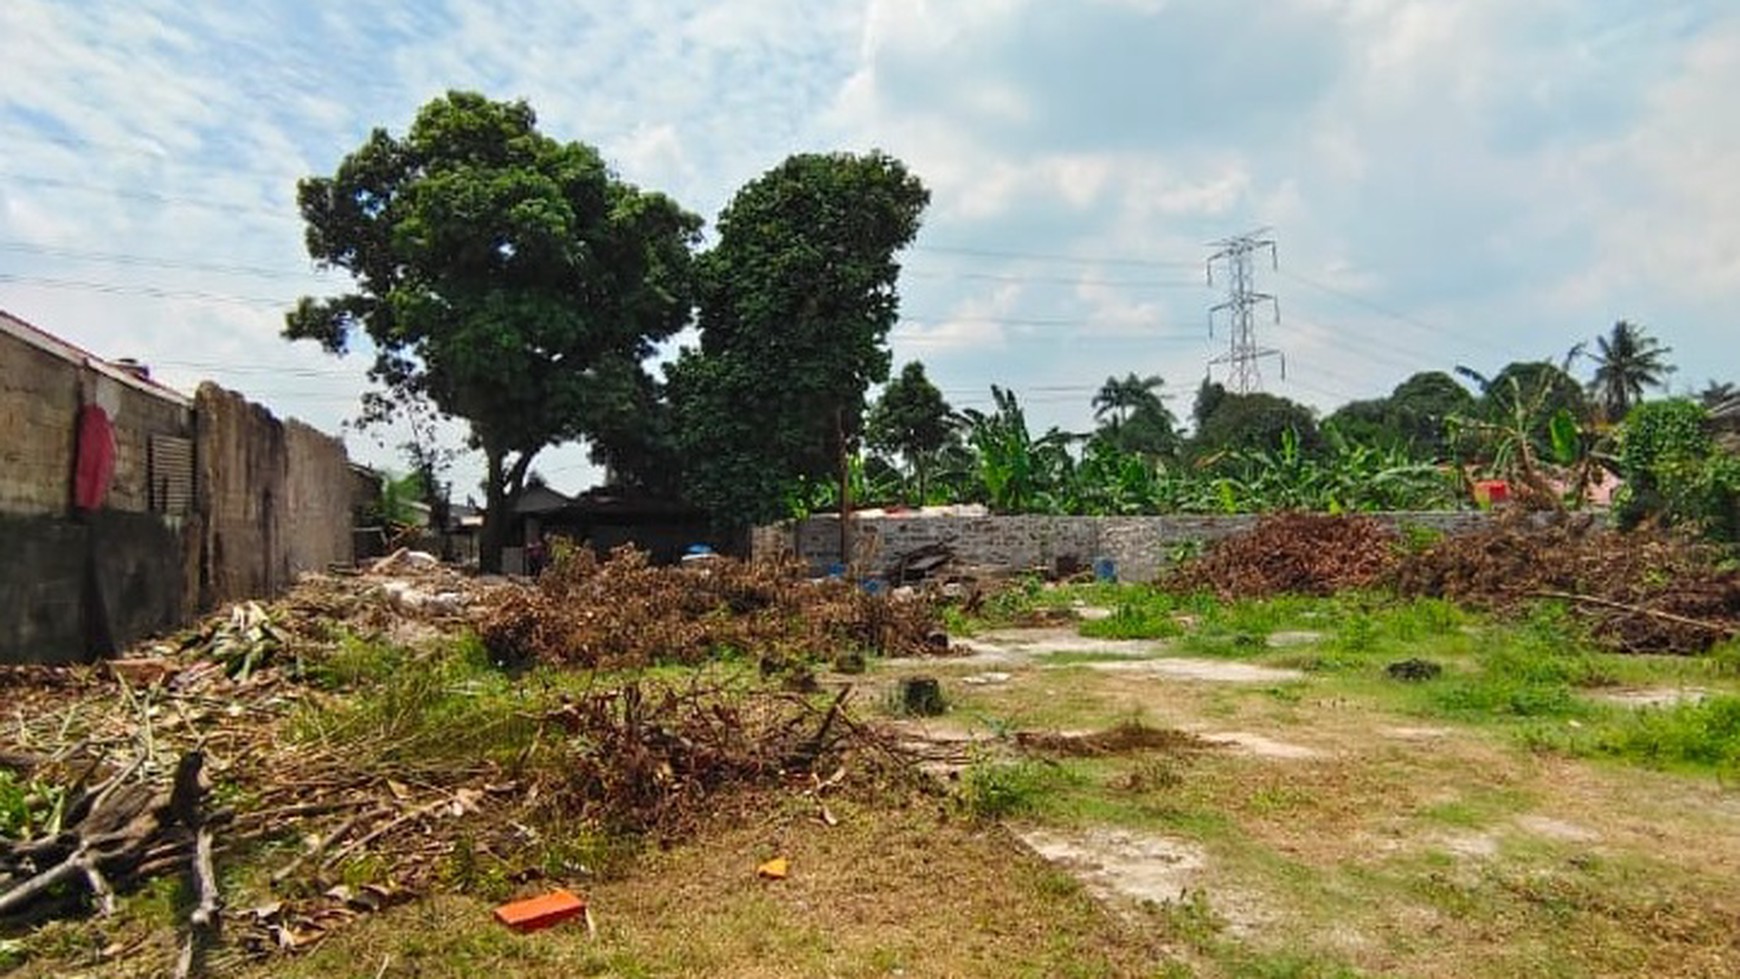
1140,547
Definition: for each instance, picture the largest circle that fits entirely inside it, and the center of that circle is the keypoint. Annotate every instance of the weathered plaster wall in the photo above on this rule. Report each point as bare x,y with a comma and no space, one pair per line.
73,586
40,396
276,498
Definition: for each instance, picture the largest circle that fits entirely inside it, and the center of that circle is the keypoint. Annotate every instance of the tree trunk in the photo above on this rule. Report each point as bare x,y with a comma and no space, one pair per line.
495,516
845,495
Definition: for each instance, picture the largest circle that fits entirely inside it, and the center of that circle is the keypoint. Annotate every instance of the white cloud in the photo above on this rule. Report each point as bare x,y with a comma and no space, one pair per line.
1491,180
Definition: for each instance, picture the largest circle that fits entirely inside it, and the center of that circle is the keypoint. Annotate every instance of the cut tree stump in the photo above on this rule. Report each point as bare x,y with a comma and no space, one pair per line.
921,696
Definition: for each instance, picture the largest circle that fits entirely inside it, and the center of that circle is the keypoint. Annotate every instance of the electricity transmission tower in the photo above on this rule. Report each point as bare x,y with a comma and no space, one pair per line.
1242,354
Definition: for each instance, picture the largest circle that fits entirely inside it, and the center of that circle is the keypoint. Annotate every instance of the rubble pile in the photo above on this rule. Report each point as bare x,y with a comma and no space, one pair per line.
626,612
1292,553
1639,591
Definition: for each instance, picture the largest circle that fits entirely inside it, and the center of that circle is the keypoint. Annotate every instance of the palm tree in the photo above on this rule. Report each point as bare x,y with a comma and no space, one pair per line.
1628,360
1122,398
1717,393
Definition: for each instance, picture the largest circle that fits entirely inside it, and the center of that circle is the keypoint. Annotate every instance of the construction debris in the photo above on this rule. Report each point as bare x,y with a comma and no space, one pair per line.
543,911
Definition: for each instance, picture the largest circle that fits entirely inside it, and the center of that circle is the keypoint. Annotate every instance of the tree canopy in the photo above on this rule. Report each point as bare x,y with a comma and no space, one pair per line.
797,299
1627,360
509,279
1251,421
1134,417
912,419
1413,418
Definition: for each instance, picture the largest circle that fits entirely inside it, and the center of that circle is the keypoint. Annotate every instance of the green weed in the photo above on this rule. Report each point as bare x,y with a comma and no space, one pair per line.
998,790
418,707
1704,734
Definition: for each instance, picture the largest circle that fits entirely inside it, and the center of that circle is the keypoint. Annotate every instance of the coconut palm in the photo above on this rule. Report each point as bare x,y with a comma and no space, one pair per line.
1627,361
1717,393
1122,398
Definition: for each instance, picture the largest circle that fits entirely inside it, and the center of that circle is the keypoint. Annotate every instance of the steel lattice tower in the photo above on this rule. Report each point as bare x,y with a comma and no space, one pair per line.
1242,355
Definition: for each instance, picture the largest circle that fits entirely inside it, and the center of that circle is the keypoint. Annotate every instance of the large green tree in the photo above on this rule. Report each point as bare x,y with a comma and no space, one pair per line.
1627,360
1133,416
1420,409
797,300
1255,421
505,277
913,419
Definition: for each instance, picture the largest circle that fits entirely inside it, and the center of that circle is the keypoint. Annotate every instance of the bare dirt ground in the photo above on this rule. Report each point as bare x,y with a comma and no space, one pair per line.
1323,833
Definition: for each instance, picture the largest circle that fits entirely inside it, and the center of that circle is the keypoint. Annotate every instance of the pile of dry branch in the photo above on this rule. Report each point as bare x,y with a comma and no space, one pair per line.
1639,591
1292,553
625,612
353,794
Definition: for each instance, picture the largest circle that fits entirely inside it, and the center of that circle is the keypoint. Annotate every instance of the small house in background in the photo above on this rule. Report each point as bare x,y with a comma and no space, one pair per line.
604,519
1725,424
607,518
530,526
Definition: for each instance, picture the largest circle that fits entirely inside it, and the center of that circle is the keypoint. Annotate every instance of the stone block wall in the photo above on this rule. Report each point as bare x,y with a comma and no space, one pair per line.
1139,547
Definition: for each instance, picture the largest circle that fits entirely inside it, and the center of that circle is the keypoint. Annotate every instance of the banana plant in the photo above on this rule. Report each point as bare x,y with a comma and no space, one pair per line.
1018,473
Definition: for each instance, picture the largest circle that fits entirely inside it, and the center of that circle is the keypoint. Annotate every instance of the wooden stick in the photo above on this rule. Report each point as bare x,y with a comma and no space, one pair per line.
382,830
19,897
203,920
284,873
1636,609
104,894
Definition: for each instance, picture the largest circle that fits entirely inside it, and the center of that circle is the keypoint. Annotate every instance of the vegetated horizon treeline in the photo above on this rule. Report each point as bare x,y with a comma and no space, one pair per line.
1533,423
514,281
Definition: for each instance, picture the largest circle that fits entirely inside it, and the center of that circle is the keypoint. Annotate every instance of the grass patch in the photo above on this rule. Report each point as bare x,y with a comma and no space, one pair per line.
1700,736
417,707
887,889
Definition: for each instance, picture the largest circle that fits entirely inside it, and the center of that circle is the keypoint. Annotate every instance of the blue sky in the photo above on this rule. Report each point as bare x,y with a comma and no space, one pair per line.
1466,182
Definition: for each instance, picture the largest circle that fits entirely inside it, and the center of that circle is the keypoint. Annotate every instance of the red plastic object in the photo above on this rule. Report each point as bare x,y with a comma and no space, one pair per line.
540,912
1491,491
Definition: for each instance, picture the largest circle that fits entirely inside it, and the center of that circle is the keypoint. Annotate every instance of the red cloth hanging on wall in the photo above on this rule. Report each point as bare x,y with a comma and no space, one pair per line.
95,467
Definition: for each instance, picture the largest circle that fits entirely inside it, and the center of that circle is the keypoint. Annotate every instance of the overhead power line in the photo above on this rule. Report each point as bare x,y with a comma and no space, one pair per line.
147,261
1051,257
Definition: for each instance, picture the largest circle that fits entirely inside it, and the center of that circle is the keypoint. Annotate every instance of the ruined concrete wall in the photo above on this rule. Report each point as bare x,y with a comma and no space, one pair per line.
275,497
1140,547
39,403
318,494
